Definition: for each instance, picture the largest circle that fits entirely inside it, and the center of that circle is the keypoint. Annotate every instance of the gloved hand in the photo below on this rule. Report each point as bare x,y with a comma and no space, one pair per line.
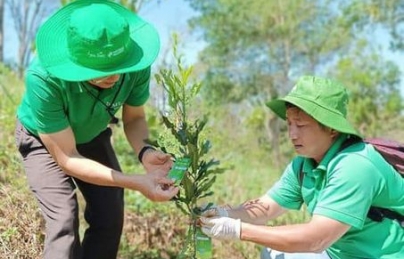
223,228
216,211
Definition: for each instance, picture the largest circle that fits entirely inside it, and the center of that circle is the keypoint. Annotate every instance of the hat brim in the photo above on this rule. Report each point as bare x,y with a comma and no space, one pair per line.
325,116
53,53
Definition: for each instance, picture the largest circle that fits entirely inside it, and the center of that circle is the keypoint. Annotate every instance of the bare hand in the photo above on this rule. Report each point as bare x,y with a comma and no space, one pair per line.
158,188
155,160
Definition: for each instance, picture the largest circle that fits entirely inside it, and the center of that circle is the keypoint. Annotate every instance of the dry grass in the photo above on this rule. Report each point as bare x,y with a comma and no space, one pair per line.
160,236
152,235
21,226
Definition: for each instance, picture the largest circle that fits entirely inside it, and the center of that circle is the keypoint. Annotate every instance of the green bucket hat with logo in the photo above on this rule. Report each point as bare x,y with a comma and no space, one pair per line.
325,100
88,39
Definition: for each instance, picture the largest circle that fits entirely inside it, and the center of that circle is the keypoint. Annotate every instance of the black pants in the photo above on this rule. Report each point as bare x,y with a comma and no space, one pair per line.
56,194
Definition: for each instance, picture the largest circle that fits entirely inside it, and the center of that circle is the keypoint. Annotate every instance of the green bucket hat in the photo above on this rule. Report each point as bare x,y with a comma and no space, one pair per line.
88,39
323,99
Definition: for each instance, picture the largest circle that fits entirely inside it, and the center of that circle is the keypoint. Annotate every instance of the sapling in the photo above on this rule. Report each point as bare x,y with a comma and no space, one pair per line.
188,144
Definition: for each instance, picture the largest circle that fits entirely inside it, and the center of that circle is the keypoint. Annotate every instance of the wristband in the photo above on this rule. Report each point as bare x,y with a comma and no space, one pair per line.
142,151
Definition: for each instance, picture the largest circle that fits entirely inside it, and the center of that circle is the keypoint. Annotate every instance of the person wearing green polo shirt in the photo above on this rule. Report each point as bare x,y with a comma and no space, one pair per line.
93,59
335,175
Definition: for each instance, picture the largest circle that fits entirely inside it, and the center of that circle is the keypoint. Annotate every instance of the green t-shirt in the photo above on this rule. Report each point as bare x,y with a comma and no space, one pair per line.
50,105
343,187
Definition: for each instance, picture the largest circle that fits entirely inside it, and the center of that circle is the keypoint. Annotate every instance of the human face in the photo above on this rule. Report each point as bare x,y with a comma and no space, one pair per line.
105,82
309,138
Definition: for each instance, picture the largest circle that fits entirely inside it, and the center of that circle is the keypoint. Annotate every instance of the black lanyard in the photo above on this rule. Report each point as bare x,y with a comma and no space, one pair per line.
108,108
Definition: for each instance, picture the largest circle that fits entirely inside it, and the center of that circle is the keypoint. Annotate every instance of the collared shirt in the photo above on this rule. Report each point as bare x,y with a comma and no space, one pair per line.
50,105
343,186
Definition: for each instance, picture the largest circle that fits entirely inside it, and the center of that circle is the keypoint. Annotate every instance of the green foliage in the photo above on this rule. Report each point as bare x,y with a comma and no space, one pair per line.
254,55
374,86
133,5
151,230
385,14
187,131
10,90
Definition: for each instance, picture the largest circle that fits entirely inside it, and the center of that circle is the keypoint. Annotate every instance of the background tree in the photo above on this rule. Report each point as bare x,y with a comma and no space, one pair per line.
374,90
256,50
133,5
388,14
27,15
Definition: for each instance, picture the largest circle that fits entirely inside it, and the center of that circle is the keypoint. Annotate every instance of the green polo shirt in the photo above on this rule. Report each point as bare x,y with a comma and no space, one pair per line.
343,187
50,105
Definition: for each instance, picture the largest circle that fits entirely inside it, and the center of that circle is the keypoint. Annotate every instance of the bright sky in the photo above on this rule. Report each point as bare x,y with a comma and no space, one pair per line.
170,16
167,16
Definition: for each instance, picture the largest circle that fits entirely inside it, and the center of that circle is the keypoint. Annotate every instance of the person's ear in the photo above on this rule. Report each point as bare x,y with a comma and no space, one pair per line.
334,133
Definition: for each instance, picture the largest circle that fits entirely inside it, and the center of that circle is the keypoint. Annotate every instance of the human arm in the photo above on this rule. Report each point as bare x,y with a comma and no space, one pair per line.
136,131
256,211
312,237
62,146
259,211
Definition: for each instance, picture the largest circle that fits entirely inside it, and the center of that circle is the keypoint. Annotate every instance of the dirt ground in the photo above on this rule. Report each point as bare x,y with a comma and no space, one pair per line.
155,235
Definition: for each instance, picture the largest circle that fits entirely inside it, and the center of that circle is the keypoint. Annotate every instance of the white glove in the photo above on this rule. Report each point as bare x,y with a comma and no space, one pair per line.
215,211
221,227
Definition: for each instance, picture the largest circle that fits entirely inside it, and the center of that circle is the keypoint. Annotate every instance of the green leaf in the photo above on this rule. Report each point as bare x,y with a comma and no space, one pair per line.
200,124
180,205
187,135
204,148
206,186
204,168
206,194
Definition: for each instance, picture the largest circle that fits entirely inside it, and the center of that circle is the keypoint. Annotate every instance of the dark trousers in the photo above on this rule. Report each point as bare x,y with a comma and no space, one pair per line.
56,194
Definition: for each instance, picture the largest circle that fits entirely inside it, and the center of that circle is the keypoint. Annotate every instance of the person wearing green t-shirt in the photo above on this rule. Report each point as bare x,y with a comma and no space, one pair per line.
93,59
335,175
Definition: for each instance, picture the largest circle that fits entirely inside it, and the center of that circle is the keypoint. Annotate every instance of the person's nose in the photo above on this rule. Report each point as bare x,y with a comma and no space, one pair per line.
293,132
